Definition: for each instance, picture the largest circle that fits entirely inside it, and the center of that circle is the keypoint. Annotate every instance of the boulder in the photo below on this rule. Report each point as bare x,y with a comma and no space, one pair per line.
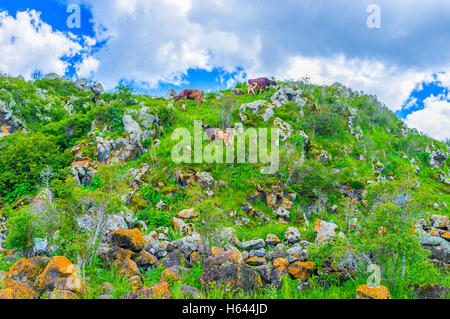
324,230
156,291
301,270
292,235
430,291
228,269
365,292
126,268
129,239
60,273
254,244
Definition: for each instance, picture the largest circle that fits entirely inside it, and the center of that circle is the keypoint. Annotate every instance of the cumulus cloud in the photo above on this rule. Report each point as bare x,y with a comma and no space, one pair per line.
27,44
434,119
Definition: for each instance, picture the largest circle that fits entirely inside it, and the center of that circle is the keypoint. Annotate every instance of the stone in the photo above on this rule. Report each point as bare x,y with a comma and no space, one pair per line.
156,291
432,291
253,244
324,230
190,292
145,260
301,270
129,239
81,84
272,240
170,274
126,268
187,213
62,294
365,292
228,270
292,235
60,273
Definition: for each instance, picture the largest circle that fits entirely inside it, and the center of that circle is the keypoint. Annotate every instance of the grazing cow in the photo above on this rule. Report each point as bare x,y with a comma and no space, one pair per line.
219,134
260,83
190,94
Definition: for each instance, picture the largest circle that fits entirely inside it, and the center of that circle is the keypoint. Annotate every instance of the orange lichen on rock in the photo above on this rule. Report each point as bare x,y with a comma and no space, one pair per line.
20,290
129,239
366,292
302,270
216,251
170,274
126,268
280,263
60,273
27,269
446,235
157,291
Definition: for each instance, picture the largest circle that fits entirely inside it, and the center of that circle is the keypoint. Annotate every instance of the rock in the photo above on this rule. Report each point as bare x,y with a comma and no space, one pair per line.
253,244
60,274
282,213
145,260
142,226
256,260
156,291
272,240
170,274
285,130
170,94
188,213
219,96
430,291
287,94
81,84
129,239
96,88
62,294
297,253
437,158
52,76
237,91
27,270
301,270
119,150
18,290
229,270
440,221
439,247
131,126
292,235
126,268
365,292
190,292
324,230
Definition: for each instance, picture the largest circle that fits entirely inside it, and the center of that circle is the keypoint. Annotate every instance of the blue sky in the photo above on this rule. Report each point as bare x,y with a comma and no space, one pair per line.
160,44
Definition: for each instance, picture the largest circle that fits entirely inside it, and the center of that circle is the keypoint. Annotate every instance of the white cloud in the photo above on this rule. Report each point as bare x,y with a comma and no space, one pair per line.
27,44
434,119
87,67
392,85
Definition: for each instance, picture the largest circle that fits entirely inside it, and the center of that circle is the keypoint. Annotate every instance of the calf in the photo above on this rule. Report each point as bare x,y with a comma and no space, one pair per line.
190,94
261,83
219,134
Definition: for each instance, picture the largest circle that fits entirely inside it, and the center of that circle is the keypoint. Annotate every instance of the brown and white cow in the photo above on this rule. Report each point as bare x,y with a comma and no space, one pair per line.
259,83
190,94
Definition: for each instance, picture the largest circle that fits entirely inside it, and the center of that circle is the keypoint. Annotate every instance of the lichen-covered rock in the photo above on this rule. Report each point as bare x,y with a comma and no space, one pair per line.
301,270
292,235
27,270
129,239
366,292
256,243
228,270
60,273
430,291
324,230
272,240
156,291
126,268
62,294
19,290
190,292
145,260
171,274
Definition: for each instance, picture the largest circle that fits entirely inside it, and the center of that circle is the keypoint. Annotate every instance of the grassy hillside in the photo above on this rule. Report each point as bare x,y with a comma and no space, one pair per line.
355,187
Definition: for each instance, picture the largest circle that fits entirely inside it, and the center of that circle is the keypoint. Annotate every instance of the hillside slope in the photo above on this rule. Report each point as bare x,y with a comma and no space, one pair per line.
88,177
